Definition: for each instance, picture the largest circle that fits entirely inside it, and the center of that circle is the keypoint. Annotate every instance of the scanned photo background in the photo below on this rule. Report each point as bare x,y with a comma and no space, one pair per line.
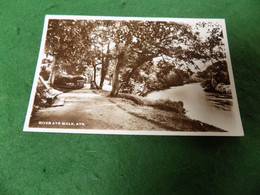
49,163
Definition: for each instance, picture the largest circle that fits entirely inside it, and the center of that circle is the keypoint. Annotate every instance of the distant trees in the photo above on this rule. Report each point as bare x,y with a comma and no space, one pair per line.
100,48
216,78
68,42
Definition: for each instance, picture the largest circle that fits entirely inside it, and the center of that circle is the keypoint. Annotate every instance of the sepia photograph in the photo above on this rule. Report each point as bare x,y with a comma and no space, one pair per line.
133,75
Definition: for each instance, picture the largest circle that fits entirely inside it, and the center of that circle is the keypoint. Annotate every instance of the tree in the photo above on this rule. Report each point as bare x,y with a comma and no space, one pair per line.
101,39
129,48
106,57
146,40
68,42
213,43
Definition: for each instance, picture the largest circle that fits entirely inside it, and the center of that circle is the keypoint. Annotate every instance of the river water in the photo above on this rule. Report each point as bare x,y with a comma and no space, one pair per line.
207,107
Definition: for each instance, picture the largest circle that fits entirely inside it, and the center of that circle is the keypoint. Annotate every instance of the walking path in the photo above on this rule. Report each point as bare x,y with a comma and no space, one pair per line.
85,109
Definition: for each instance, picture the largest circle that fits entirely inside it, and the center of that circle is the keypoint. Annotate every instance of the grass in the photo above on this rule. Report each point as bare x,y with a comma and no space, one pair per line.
167,114
166,105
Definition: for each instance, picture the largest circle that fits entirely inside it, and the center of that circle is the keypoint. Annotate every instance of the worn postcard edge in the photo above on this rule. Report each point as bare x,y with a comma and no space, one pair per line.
26,127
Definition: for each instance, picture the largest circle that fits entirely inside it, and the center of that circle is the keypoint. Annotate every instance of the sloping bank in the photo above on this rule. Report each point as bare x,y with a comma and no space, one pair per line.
167,114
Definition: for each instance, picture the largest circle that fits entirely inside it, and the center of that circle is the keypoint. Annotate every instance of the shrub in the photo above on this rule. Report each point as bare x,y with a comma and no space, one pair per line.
67,81
216,78
166,105
45,73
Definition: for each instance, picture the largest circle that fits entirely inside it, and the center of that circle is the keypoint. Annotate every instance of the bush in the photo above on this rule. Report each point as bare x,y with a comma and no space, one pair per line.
134,98
67,81
167,105
45,73
40,100
216,78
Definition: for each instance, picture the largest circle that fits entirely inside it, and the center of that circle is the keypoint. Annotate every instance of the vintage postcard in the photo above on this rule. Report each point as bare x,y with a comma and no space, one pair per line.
131,75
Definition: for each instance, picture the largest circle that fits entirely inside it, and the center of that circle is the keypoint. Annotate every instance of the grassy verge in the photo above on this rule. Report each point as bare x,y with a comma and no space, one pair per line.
166,105
164,113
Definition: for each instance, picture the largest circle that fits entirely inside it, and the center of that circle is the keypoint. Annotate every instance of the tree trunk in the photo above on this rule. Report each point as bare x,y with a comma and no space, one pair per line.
103,72
102,79
139,64
104,69
95,71
54,69
115,79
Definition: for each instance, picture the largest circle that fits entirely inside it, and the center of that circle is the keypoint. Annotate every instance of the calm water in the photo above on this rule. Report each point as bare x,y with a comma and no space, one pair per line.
206,107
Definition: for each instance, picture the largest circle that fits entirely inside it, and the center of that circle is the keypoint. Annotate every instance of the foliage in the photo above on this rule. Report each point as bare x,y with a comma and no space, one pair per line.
67,41
126,51
215,77
167,105
41,99
67,81
158,77
45,73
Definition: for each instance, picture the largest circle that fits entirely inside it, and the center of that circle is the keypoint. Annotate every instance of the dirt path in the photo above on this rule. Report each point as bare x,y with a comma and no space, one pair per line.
85,109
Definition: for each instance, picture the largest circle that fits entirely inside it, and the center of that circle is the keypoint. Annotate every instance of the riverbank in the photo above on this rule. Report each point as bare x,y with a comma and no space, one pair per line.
210,108
87,109
93,109
167,117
